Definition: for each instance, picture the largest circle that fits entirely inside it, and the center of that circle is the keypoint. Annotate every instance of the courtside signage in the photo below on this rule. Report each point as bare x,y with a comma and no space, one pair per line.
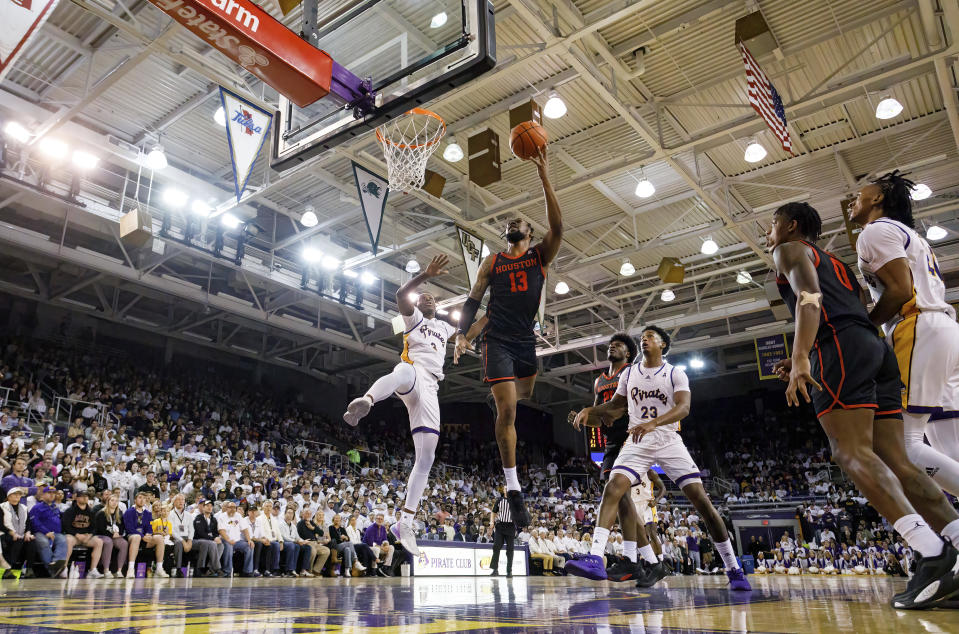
21,21
252,38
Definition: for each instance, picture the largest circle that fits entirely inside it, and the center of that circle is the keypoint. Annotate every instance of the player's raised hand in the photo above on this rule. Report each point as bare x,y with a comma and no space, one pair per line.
571,418
542,164
783,368
799,377
437,266
462,345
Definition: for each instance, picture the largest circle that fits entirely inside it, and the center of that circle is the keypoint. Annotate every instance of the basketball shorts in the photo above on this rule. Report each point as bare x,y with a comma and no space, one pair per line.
641,499
927,351
665,449
422,402
856,369
506,361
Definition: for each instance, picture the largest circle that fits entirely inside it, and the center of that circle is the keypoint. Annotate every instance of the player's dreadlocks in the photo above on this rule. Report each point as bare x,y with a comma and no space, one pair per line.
627,341
806,217
896,199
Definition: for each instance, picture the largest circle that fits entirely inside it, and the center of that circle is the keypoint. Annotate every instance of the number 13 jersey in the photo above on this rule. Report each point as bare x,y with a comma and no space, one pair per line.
650,393
516,285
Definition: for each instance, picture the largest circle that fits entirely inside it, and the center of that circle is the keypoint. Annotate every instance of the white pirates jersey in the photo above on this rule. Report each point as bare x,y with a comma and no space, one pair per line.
424,342
650,394
884,240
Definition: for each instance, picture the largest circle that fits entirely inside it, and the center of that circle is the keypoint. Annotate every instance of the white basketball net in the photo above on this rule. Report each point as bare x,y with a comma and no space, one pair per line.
408,143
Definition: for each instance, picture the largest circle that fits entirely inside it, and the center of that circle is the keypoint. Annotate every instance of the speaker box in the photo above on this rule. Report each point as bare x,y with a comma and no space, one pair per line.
136,227
671,271
753,31
434,184
484,161
526,111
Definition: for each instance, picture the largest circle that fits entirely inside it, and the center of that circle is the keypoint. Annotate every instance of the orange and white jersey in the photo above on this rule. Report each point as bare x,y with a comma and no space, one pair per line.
424,342
884,240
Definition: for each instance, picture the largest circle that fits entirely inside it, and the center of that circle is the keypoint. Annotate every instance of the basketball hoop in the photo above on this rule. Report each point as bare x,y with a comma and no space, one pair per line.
408,142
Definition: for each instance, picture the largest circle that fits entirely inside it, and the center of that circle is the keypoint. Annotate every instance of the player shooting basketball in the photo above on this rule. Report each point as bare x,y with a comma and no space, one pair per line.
515,278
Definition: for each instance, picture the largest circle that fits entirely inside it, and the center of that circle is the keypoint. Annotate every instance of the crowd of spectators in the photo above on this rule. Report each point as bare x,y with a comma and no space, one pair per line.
157,470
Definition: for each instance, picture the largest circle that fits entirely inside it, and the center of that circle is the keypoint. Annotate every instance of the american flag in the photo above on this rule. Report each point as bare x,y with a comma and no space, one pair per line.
764,98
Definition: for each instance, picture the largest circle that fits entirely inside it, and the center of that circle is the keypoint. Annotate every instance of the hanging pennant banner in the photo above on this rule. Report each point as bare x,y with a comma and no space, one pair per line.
373,191
472,248
246,131
21,21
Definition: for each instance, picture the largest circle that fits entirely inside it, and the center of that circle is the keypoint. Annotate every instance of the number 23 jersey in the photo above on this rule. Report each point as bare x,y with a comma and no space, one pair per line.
650,393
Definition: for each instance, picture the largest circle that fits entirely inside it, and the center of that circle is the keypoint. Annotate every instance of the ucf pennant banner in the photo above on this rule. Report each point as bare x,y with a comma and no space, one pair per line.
373,191
21,21
246,131
472,249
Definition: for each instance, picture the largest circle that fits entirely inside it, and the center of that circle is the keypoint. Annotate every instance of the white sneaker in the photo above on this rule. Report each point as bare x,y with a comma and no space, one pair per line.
131,572
109,575
160,572
357,409
407,537
360,567
94,574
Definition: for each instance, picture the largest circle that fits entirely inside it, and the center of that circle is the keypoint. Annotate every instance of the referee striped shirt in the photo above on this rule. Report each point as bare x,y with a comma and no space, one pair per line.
502,511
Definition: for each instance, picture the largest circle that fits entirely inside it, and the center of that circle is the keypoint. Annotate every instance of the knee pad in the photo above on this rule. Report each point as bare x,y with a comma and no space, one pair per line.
405,373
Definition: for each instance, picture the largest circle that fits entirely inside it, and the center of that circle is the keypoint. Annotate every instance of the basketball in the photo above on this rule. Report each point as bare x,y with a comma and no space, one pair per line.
527,139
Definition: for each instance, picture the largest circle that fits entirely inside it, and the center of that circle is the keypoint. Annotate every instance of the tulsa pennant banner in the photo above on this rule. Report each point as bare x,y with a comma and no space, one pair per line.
246,131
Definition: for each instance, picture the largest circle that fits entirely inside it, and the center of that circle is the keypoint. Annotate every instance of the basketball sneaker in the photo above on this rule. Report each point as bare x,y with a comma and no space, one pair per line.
738,581
936,578
590,566
403,531
652,575
624,571
357,409
517,508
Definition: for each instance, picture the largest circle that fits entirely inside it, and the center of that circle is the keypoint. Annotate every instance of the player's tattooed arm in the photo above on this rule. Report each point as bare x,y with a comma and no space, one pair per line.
793,261
549,247
612,409
435,268
477,328
896,279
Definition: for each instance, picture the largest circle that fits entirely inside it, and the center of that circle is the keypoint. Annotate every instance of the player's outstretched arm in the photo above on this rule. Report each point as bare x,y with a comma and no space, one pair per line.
612,409
477,328
571,417
436,268
468,312
792,261
549,247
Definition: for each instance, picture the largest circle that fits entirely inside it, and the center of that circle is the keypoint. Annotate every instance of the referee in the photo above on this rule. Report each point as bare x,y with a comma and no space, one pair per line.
504,531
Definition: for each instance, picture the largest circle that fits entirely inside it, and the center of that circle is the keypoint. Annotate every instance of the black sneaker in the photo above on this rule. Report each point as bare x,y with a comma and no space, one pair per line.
57,567
517,508
623,571
936,578
652,574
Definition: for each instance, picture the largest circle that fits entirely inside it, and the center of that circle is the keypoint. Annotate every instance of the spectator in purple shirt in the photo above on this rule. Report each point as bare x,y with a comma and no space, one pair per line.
136,521
44,519
375,536
18,478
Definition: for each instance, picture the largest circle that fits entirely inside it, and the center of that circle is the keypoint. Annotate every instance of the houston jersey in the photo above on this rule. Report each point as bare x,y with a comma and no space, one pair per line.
424,342
605,389
516,285
650,393
841,303
884,240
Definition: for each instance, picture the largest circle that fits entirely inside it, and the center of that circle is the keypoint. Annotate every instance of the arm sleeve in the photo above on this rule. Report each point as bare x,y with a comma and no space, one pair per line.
412,321
881,242
679,380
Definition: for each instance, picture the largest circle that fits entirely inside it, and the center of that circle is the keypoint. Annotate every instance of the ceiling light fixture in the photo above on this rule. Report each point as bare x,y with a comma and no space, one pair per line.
696,363
330,263
156,159
555,106
53,148
453,151
562,288
627,268
309,219
84,160
229,221
17,132
438,20
645,189
367,278
754,151
201,208
668,295
920,192
935,232
709,247
174,197
412,266
888,108
743,277
220,116
311,254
